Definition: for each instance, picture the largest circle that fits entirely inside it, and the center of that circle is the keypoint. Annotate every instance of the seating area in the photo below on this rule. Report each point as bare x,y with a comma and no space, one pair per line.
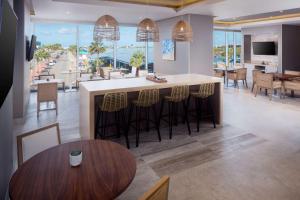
149,100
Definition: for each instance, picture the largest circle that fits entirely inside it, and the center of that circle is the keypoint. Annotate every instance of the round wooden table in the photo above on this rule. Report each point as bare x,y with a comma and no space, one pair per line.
106,170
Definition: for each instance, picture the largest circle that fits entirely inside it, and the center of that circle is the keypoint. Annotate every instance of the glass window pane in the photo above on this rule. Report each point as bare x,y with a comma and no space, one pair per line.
219,47
56,53
238,43
130,52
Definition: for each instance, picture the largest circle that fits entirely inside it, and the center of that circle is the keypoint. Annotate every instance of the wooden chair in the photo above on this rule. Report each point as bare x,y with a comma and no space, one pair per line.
206,91
293,84
147,99
266,81
179,95
237,75
114,103
255,72
33,142
47,92
160,191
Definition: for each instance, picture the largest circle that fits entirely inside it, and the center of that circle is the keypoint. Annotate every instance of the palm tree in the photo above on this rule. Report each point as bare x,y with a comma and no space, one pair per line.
73,49
137,59
96,48
41,54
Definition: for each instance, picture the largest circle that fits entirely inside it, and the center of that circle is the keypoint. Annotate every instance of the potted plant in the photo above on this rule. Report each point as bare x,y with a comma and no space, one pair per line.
136,60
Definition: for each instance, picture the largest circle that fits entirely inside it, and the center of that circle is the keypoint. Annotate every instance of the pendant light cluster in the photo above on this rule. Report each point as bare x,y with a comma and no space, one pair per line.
107,28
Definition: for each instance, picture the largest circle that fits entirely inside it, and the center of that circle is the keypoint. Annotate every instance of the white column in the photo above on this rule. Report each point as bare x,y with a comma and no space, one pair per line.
226,49
115,54
234,48
146,55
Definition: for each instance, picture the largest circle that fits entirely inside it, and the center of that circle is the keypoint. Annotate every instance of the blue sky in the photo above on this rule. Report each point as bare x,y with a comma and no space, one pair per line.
65,34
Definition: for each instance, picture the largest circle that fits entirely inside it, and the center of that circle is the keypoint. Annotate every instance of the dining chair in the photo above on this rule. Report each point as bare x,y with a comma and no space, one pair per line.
179,95
47,92
255,72
204,94
266,81
147,99
160,191
293,86
238,75
33,142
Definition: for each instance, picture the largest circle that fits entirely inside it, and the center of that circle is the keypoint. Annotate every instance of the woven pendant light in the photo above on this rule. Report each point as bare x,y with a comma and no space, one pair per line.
182,32
147,31
106,28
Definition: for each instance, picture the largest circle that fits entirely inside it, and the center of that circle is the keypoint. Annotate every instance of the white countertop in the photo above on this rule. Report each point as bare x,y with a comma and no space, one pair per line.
134,84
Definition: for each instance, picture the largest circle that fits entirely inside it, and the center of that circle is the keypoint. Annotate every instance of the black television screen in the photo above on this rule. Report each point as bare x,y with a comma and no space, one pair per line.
264,48
31,48
7,49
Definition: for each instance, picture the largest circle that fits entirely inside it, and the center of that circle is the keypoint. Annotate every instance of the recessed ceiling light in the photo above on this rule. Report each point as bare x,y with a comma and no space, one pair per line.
68,12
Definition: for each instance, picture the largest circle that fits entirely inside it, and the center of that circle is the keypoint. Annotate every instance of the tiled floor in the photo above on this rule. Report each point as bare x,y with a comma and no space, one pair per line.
254,155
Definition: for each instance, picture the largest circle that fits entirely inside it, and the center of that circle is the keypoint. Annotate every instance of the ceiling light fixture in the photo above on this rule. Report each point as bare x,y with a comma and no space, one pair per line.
182,31
147,31
106,28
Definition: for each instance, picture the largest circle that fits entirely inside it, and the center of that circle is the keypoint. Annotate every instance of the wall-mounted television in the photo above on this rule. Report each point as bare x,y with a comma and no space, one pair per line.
7,49
31,47
264,48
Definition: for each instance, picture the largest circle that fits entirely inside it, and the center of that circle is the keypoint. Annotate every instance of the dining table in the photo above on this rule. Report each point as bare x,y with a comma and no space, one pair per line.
225,70
285,77
106,170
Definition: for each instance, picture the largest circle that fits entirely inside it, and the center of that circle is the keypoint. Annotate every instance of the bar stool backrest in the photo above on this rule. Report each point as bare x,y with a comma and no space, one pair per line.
206,90
148,97
180,93
113,102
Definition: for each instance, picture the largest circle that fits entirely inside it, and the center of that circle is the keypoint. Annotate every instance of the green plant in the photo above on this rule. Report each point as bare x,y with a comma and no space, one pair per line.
41,54
94,64
73,49
96,48
137,59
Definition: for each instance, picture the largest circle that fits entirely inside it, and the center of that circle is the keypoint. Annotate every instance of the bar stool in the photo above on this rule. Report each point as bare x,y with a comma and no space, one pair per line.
179,94
147,99
206,91
112,103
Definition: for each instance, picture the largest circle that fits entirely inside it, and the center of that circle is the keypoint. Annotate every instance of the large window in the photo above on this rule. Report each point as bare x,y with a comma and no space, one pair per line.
227,47
57,51
65,49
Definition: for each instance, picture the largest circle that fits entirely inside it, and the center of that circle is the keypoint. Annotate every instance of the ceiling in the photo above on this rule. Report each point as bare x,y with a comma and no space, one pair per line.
128,13
175,4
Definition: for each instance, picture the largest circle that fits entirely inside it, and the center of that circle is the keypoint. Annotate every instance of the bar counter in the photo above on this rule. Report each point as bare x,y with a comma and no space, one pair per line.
91,91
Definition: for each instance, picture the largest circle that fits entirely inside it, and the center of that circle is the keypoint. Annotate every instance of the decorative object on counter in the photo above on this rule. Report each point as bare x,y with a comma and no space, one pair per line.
107,28
168,50
156,79
75,158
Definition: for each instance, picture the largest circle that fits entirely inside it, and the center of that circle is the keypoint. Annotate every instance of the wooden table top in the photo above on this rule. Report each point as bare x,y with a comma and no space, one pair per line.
226,68
36,82
285,77
106,170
